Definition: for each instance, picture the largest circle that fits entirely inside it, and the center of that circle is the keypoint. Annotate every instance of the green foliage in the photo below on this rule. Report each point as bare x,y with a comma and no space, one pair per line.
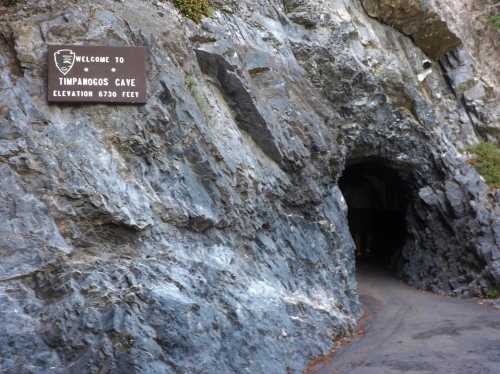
492,294
194,9
495,20
8,2
487,162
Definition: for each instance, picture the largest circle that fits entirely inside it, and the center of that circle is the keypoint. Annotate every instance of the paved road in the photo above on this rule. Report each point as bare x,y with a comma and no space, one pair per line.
409,331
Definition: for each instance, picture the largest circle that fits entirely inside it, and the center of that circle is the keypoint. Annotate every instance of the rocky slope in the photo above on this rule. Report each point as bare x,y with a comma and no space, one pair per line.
204,232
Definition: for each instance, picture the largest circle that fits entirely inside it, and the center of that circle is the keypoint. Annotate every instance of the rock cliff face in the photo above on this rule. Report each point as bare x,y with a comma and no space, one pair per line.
458,35
205,231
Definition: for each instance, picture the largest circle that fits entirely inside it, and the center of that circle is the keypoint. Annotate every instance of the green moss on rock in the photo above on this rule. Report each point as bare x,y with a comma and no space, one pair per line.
193,9
487,162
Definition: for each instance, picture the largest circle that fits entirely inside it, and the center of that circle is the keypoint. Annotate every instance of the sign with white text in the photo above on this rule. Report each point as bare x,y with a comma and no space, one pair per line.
80,74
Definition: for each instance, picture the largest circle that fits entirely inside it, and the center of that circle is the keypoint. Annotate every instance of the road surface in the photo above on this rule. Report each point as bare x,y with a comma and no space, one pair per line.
410,331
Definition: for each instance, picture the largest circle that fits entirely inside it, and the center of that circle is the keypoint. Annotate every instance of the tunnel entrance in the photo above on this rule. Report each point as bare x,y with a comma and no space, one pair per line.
377,200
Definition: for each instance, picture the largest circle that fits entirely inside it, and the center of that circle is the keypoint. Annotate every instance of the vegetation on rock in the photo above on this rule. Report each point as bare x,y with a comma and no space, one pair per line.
8,2
493,294
495,19
193,9
487,162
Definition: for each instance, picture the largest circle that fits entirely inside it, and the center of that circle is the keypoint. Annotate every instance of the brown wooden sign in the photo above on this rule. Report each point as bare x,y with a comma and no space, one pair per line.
80,74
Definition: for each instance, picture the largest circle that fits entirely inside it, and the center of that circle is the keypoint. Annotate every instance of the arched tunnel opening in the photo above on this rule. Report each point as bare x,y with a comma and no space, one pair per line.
377,199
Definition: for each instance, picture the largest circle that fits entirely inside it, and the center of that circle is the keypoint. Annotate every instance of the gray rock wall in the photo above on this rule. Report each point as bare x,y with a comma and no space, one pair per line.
204,232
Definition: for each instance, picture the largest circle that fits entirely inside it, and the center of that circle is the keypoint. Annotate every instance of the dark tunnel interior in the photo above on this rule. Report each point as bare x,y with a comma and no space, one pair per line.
377,200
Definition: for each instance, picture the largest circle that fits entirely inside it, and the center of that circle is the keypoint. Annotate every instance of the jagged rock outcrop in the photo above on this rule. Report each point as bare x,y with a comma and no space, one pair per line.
457,34
204,232
420,20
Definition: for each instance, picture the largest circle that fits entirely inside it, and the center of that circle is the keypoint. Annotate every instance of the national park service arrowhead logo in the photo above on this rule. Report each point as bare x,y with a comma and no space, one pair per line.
64,60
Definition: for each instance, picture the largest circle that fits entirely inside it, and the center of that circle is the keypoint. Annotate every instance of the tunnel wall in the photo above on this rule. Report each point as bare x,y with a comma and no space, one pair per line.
451,225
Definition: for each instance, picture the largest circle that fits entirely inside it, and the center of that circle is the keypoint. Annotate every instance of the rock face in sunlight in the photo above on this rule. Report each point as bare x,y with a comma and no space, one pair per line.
205,232
438,27
419,20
